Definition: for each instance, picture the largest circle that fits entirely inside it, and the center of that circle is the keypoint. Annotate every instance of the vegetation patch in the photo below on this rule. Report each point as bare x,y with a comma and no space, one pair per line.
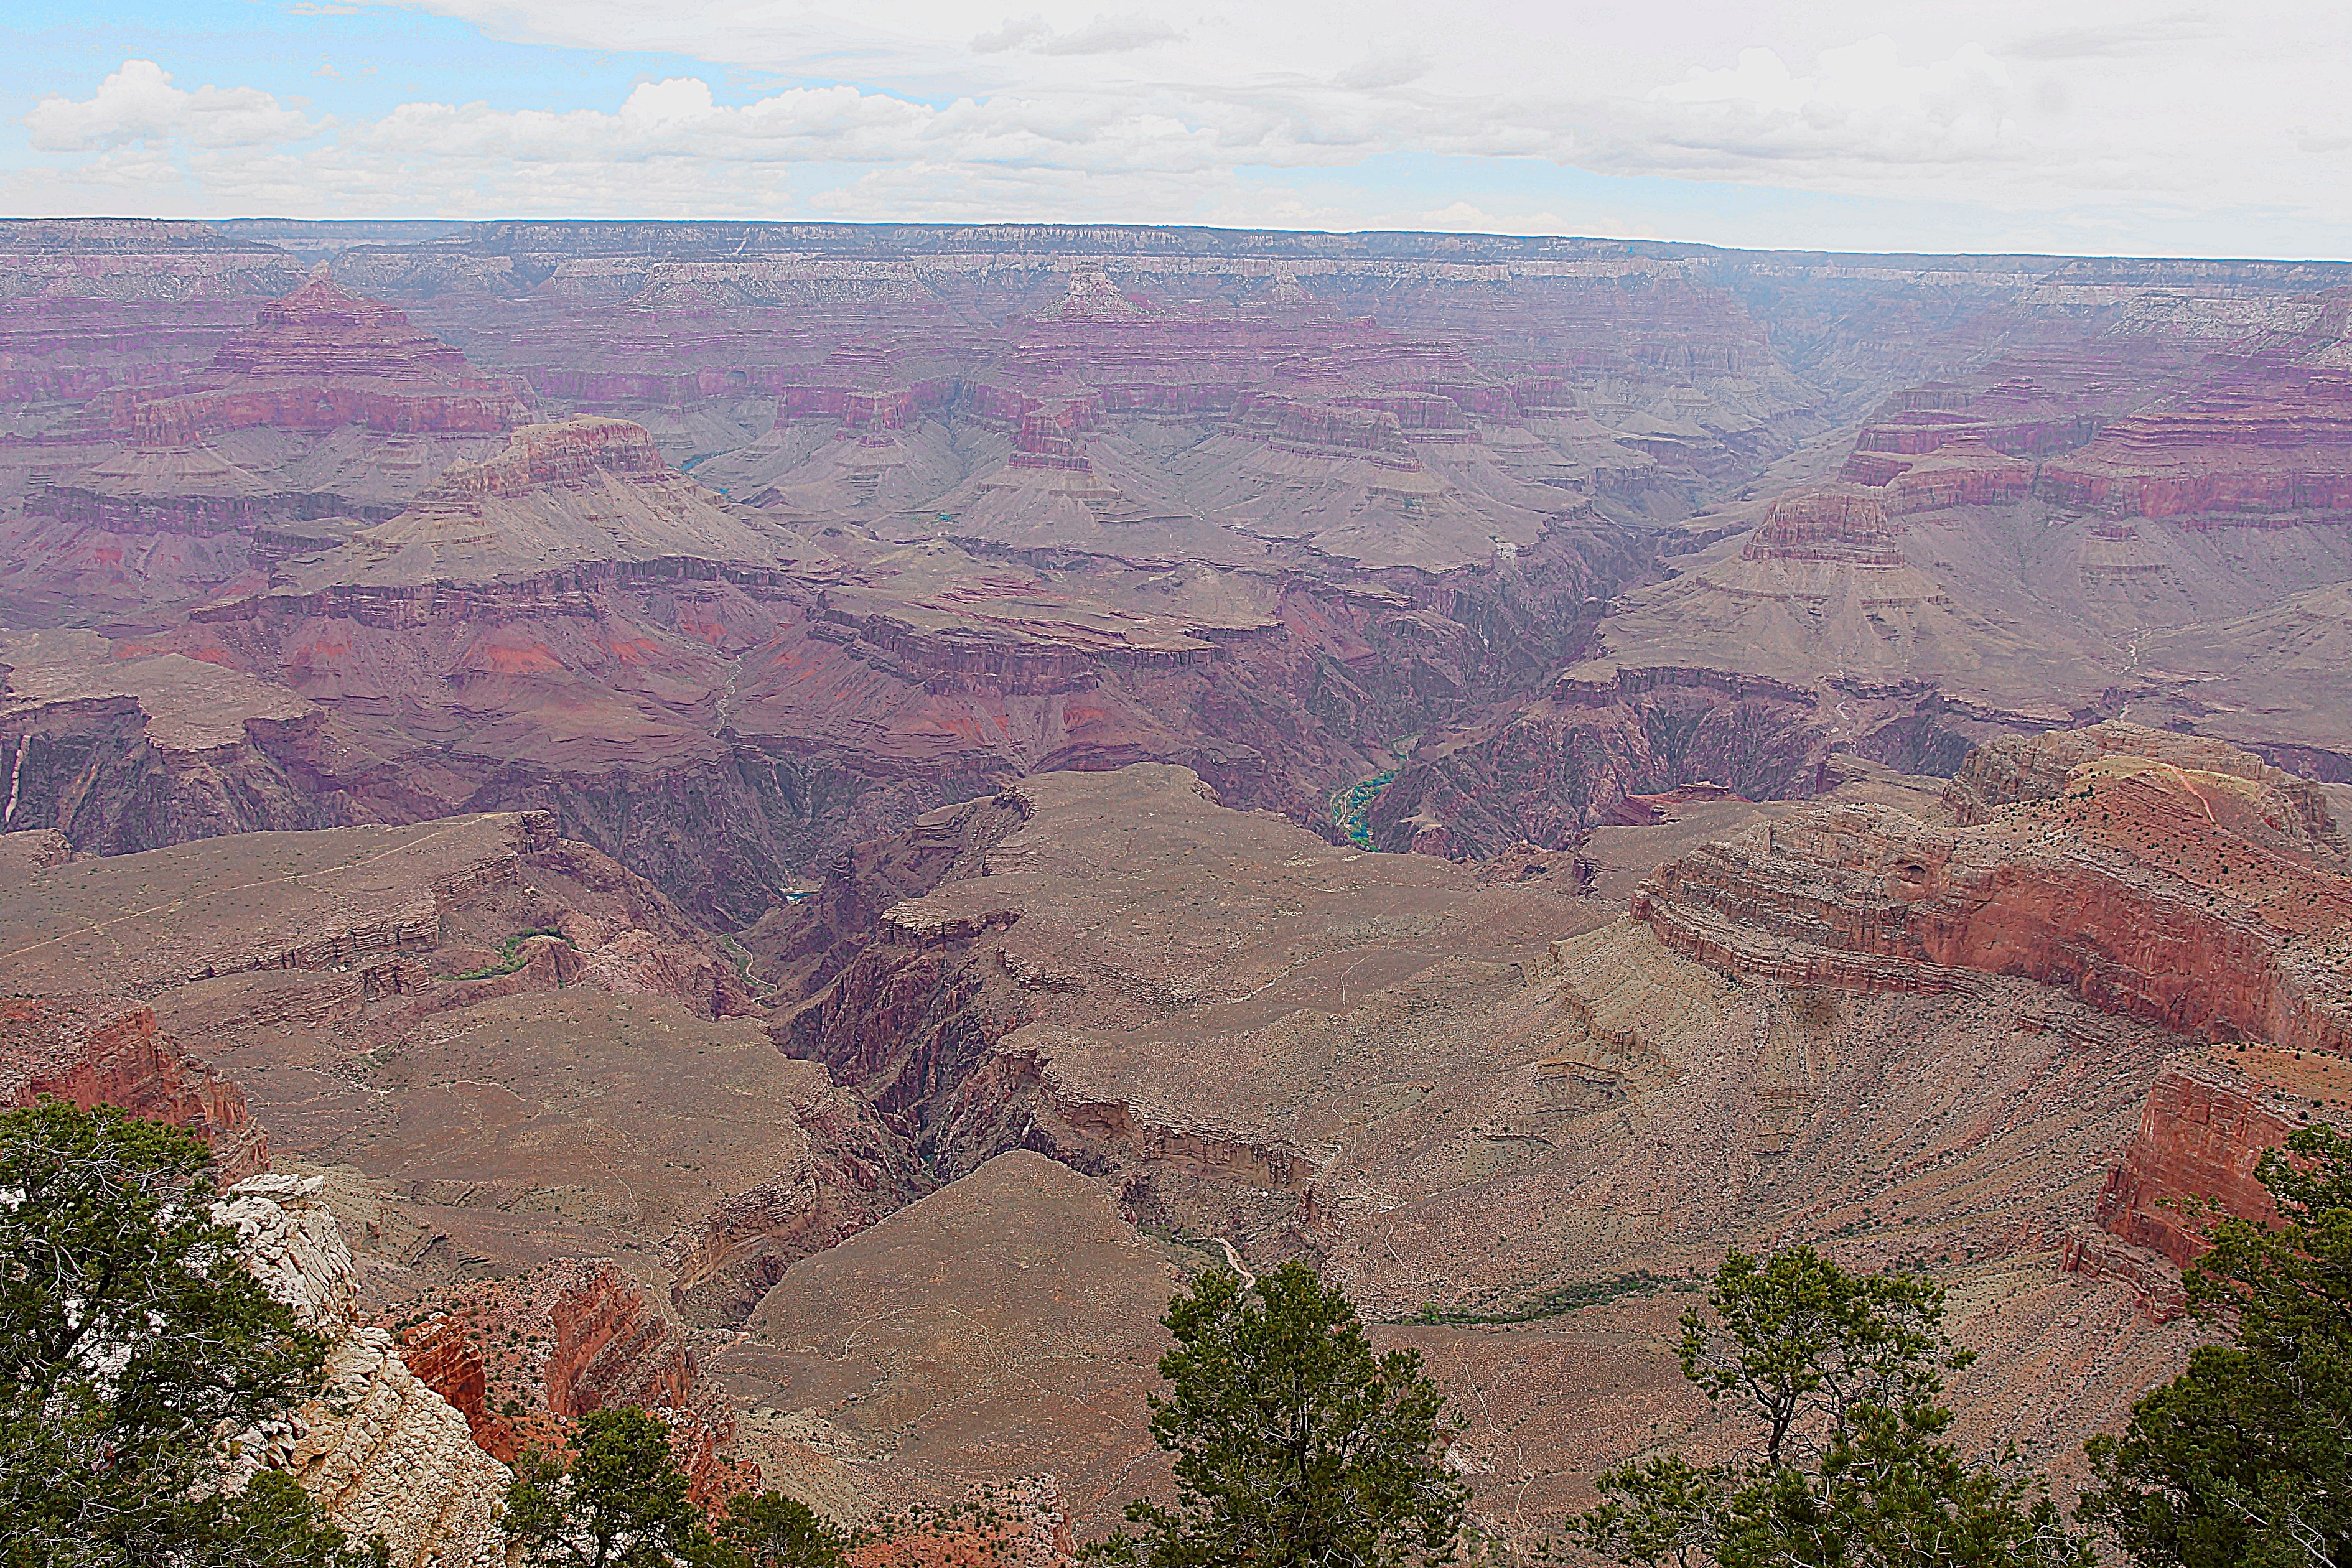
1350,806
513,957
1561,1300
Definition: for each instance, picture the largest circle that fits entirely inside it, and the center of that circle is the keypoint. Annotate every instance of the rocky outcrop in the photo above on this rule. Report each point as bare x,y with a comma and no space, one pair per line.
854,1171
525,1358
2188,896
809,940
2204,1130
380,1451
2021,406
1563,766
322,331
563,454
319,358
92,1051
2262,440
1826,524
2012,770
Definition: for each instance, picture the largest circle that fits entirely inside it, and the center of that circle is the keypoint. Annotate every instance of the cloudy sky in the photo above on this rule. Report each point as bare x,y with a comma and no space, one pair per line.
2063,125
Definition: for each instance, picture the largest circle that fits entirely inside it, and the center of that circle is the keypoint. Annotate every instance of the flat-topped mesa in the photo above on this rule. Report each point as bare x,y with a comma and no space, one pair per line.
571,452
2024,406
1323,430
1966,471
1421,415
1045,441
2202,901
92,1051
1830,524
857,410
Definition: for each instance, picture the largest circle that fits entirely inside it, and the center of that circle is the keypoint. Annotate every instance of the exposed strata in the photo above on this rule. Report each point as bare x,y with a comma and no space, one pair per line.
2027,406
122,747
524,1358
328,407
2200,899
89,1051
2259,441
1570,762
2204,1130
1414,481
1387,1064
379,1451
1825,525
322,357
457,1010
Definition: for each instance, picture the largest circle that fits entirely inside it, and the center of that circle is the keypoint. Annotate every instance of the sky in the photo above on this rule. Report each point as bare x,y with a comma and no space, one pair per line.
2071,126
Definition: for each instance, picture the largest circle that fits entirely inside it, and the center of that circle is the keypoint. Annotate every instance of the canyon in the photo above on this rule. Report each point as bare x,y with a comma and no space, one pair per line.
797,824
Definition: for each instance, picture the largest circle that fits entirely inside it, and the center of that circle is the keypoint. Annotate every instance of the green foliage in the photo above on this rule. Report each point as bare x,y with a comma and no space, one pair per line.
130,1340
2246,1458
618,1500
511,956
1561,1300
772,1530
1809,1344
1294,1445
1849,1464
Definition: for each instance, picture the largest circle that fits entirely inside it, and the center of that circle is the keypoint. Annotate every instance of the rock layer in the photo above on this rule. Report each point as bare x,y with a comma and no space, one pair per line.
2203,1131
381,1453
90,1051
2206,901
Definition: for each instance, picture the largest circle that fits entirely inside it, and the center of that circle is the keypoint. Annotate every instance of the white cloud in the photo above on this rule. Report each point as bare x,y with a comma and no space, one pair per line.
1858,105
139,103
1011,35
1103,36
1110,35
2031,117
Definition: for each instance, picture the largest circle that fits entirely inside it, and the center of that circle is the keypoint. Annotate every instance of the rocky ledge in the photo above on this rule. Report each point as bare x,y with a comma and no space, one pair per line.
2206,899
94,1051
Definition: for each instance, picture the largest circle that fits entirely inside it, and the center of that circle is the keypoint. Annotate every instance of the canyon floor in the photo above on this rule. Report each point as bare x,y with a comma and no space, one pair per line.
802,833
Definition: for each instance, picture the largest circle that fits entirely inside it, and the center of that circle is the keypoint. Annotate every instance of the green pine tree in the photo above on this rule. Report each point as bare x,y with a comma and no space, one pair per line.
1296,1445
131,1339
1850,1465
616,1500
772,1530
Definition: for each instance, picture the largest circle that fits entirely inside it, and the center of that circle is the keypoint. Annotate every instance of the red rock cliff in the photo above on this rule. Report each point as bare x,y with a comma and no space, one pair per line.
2192,897
2201,1136
92,1051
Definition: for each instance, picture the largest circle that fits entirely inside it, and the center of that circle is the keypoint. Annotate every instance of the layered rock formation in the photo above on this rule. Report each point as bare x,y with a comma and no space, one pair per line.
321,357
525,1046
90,1051
2264,441
1011,588
381,1453
2205,900
1825,525
523,1359
2204,1131
1394,1066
